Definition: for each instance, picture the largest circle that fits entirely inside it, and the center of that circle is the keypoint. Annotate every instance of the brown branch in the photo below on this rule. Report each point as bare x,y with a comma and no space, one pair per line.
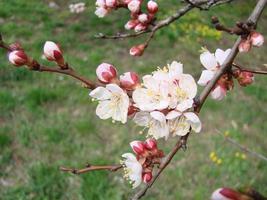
243,148
264,72
88,168
35,66
203,96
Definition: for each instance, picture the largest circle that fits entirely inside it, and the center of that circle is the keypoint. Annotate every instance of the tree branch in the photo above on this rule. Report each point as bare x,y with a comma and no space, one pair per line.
264,72
254,17
88,168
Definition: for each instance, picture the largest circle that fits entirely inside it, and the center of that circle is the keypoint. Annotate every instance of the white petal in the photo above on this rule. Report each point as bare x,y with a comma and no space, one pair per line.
187,84
184,105
159,116
120,109
150,82
205,77
114,88
179,126
142,118
194,121
100,93
221,55
175,70
218,93
173,114
208,60
129,156
103,110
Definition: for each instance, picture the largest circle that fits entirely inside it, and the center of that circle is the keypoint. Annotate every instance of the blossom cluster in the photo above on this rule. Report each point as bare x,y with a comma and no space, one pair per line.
212,62
77,7
139,20
253,39
138,167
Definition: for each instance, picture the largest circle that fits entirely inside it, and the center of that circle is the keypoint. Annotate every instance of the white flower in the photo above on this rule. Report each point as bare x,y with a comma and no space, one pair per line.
155,121
154,95
212,63
101,12
113,102
133,169
100,3
179,122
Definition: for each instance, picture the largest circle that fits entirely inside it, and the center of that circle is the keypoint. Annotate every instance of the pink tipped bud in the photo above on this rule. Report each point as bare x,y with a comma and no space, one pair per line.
140,27
131,110
143,18
134,6
152,7
111,3
106,72
151,144
131,24
227,194
138,147
137,50
147,177
257,39
52,52
244,46
18,58
245,78
129,80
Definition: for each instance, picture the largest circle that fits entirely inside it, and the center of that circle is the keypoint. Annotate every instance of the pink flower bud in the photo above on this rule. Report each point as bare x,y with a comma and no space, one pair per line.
245,78
151,144
244,46
52,52
152,7
137,50
18,58
106,72
147,177
226,194
131,110
131,24
129,80
257,39
218,93
111,3
134,6
138,147
143,18
140,27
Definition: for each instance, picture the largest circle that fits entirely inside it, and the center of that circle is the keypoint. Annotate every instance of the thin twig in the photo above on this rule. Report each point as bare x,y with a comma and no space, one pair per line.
264,72
112,168
243,148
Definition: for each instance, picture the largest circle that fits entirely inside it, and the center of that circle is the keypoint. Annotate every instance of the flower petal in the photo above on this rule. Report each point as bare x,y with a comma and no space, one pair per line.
194,121
103,110
208,60
142,118
114,88
221,55
173,114
187,84
100,93
175,70
159,116
184,105
205,77
218,93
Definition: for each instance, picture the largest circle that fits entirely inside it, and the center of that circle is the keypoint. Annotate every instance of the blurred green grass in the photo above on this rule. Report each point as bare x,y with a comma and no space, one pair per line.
48,120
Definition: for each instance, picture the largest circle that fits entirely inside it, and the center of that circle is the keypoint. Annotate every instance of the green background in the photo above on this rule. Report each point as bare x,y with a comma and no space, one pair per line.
48,120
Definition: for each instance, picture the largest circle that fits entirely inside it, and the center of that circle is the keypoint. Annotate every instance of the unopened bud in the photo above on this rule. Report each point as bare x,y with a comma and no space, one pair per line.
106,72
131,24
227,194
52,52
137,50
257,39
140,27
18,58
147,177
134,6
129,80
138,147
244,46
111,3
152,7
143,18
151,144
245,78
